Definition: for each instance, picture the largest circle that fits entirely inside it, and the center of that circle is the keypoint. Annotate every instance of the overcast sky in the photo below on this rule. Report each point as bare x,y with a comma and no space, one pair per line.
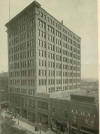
78,15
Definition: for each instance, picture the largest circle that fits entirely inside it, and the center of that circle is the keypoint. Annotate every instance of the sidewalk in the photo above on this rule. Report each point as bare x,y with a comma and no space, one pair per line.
30,128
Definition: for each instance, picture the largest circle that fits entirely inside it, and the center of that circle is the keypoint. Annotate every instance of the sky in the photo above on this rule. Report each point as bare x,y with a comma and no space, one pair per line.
78,15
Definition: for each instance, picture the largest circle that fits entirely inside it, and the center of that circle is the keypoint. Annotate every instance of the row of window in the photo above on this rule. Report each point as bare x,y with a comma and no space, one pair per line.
22,90
22,82
43,73
22,64
85,117
59,88
22,73
43,82
71,74
71,54
58,73
51,64
75,111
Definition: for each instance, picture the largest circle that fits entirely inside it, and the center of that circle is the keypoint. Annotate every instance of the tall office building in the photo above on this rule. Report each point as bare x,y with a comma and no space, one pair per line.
44,55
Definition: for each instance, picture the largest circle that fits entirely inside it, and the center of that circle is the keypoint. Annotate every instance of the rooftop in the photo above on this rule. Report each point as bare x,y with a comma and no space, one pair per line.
35,3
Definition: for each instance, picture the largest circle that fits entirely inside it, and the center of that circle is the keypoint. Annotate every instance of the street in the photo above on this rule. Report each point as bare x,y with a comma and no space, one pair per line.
8,126
21,125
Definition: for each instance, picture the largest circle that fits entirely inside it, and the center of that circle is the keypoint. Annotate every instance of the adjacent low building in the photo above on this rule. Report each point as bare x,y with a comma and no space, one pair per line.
91,87
79,114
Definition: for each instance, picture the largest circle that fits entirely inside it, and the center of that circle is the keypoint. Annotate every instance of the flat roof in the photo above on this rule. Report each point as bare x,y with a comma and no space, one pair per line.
35,3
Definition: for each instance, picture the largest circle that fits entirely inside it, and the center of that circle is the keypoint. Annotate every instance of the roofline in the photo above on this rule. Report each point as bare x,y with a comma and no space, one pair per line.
34,3
62,24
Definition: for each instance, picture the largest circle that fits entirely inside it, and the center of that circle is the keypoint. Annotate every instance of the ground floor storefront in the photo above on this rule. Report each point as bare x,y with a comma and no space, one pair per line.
45,114
78,129
58,126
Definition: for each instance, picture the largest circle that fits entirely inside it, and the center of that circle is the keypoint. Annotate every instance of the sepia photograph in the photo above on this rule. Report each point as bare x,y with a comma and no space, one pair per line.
49,65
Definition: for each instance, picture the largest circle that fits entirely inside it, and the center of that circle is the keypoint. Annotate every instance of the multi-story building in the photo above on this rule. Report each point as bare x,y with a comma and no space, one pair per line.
80,114
44,55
